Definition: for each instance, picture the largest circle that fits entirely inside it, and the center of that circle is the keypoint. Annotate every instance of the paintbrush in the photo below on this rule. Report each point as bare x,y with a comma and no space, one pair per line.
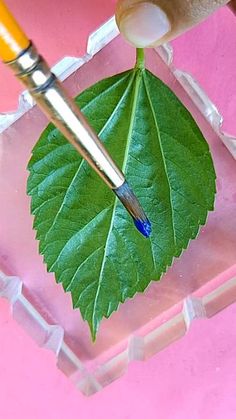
18,52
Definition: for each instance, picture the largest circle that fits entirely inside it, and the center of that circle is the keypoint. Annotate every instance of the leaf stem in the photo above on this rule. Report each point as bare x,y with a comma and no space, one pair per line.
140,59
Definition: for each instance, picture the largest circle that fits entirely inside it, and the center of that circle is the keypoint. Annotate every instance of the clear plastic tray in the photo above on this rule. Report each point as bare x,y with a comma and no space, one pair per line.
199,284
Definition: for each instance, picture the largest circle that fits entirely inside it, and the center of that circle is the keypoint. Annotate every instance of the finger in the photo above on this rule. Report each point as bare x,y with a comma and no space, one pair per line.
153,22
232,6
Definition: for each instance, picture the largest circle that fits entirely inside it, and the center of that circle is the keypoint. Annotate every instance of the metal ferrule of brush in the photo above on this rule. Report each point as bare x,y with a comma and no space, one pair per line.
51,97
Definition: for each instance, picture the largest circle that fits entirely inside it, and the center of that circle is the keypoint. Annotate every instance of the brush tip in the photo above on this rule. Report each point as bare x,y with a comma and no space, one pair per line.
144,227
131,203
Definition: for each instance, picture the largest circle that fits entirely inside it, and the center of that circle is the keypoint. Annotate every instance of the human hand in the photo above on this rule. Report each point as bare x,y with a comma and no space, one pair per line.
151,23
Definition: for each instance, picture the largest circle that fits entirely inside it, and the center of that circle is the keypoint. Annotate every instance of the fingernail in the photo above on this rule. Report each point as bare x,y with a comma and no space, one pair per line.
144,24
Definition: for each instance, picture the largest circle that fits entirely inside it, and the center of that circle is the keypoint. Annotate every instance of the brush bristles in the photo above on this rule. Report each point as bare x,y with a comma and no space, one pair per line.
131,203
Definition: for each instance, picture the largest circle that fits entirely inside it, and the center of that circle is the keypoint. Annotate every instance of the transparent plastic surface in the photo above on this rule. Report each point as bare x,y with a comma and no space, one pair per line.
200,283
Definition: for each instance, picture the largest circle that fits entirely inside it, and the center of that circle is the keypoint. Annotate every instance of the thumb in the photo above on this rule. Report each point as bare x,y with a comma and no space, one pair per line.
151,23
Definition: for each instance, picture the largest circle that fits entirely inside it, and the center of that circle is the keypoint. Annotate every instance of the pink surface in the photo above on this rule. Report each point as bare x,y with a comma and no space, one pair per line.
195,377
209,54
58,28
68,36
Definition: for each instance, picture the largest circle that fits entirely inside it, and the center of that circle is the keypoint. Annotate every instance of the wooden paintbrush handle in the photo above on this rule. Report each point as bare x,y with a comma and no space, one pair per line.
12,39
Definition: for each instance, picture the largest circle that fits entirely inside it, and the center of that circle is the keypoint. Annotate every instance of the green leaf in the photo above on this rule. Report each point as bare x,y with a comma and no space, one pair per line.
85,234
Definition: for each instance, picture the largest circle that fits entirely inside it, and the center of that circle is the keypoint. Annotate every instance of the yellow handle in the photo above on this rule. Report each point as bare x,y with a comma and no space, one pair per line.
12,39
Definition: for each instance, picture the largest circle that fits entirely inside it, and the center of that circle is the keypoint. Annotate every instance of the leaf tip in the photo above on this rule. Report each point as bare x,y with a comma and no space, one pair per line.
93,331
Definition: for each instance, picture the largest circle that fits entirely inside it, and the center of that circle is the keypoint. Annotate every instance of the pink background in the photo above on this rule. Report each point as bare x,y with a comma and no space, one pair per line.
192,379
195,377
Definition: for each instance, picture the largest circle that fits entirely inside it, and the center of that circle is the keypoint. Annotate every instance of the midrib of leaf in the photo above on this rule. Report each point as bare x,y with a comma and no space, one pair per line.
163,158
137,75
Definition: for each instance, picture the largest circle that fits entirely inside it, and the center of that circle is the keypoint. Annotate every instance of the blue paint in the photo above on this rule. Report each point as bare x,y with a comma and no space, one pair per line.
144,227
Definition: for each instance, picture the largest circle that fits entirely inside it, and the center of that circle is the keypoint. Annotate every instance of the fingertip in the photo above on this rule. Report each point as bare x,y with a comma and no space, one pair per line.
232,6
144,24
